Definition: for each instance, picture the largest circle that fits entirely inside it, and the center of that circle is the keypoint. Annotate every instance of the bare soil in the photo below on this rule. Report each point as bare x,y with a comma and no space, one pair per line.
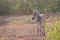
21,29
5,28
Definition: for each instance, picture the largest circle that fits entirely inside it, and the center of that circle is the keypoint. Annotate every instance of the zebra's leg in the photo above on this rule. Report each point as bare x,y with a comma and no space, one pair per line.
42,32
39,31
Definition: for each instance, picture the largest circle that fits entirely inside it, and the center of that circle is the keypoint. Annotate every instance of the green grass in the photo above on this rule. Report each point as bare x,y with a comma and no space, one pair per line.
23,20
54,34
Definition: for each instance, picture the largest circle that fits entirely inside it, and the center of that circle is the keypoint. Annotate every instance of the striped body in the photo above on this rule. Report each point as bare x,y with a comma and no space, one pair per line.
40,24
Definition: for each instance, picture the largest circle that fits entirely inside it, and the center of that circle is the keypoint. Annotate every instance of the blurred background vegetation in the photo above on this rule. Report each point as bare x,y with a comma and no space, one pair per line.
20,7
11,7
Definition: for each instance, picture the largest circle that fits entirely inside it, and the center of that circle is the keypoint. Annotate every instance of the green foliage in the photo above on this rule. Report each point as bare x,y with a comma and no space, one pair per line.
54,34
8,7
4,7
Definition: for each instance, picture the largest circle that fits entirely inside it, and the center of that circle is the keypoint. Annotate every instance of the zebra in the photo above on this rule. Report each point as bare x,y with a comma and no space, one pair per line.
40,23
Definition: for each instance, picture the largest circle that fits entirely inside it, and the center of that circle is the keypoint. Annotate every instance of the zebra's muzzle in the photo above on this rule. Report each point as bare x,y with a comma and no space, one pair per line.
33,18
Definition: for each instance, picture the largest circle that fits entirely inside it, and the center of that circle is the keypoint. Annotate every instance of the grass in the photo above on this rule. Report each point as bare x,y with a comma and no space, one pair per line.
54,33
15,20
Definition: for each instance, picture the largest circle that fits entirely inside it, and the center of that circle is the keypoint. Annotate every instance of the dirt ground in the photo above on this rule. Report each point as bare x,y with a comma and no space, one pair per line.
17,30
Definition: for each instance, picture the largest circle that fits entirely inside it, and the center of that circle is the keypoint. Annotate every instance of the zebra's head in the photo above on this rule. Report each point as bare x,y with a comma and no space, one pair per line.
36,13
